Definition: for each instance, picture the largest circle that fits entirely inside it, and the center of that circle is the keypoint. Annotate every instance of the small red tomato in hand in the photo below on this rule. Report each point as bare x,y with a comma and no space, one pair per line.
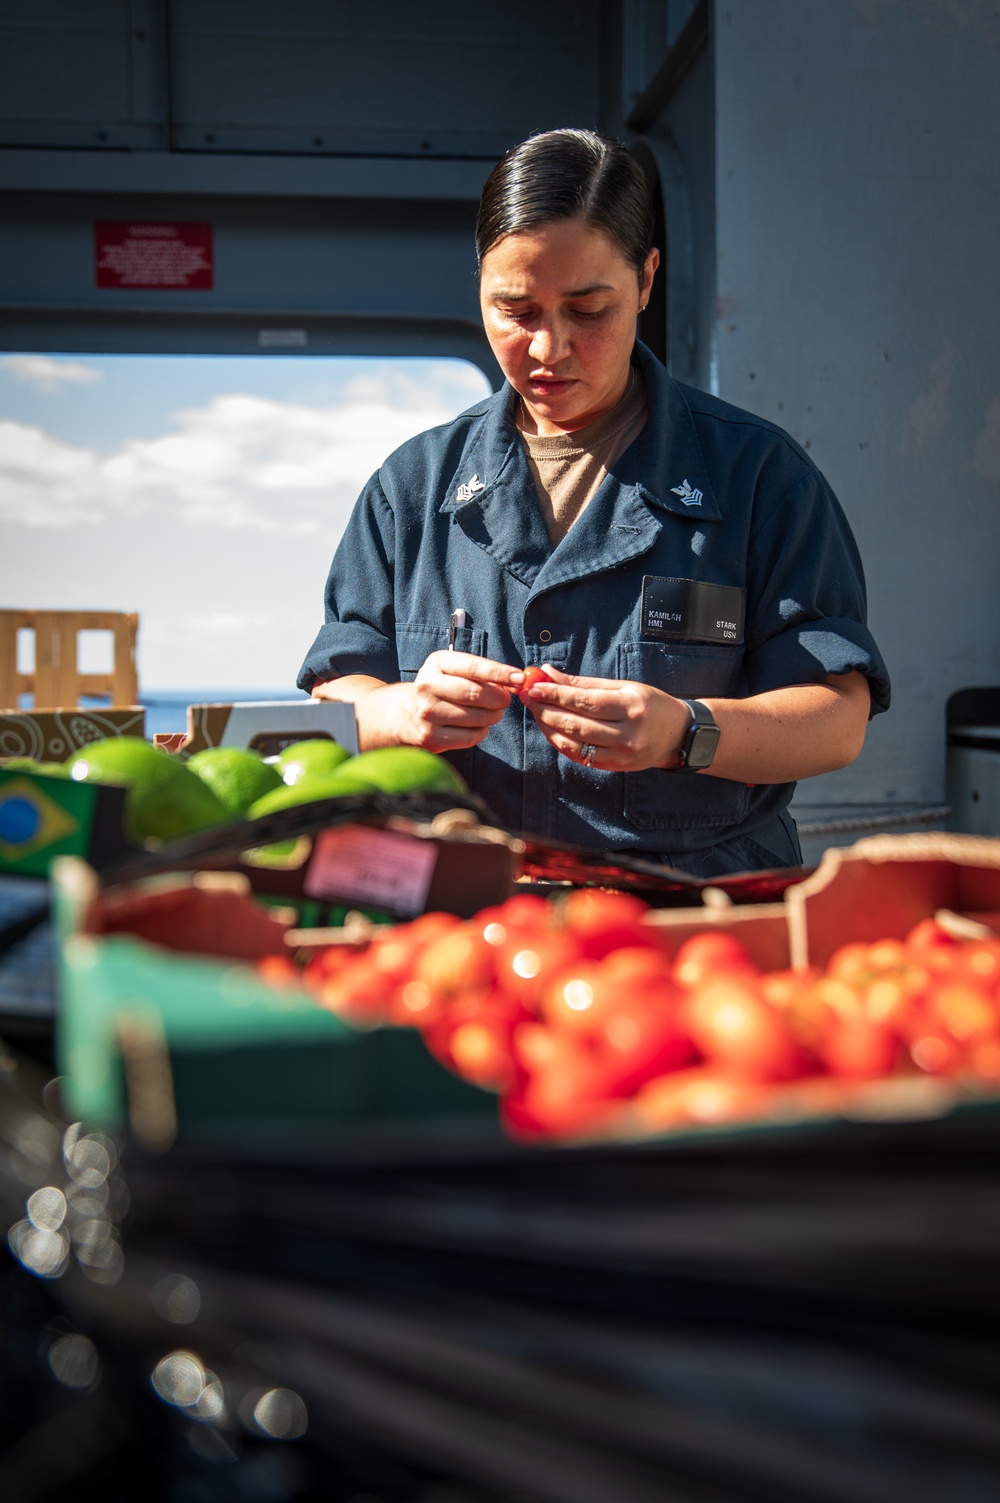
532,676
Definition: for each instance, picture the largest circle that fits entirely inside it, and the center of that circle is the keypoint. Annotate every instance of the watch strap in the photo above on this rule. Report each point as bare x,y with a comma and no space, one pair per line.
702,719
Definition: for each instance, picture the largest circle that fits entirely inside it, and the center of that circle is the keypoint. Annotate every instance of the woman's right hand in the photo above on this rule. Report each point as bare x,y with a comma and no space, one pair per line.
452,703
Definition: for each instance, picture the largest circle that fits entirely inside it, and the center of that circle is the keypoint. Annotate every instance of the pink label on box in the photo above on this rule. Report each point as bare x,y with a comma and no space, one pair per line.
374,868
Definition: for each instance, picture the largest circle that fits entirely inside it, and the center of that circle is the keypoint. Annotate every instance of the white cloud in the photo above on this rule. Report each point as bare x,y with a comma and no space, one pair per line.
45,482
46,374
218,530
238,462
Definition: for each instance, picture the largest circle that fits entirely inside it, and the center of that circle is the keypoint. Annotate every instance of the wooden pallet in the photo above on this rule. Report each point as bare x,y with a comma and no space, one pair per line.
56,680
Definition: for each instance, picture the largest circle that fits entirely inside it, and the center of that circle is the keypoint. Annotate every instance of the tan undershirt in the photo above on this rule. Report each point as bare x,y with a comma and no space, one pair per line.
568,468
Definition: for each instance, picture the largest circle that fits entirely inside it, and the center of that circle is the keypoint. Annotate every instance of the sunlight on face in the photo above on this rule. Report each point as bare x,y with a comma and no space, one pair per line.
559,306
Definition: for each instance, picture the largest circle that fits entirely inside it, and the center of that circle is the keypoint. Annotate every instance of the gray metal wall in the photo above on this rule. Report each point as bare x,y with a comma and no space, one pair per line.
858,304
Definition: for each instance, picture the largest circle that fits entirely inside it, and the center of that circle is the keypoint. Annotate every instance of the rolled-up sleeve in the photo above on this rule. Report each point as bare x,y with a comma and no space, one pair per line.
806,605
359,632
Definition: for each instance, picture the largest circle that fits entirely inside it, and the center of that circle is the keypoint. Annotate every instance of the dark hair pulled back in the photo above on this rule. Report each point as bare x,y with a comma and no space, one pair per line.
568,174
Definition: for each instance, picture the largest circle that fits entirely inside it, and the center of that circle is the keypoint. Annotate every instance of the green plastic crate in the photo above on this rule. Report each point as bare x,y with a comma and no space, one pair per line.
137,1021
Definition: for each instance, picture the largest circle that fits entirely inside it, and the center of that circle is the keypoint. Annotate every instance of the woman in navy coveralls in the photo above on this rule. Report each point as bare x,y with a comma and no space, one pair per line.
712,579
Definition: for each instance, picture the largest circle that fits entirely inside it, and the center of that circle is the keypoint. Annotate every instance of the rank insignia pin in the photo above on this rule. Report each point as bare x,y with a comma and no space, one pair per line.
687,492
469,489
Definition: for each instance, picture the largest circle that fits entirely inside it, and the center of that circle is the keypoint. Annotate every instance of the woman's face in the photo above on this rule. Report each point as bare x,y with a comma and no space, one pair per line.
559,307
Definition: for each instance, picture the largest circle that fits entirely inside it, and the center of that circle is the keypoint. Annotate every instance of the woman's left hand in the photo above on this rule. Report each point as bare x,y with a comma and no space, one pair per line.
625,726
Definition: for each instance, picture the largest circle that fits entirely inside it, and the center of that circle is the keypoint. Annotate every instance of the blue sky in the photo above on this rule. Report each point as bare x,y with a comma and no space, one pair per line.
205,493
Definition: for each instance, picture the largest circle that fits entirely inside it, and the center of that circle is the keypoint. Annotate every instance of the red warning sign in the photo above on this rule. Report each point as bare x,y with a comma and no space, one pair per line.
141,253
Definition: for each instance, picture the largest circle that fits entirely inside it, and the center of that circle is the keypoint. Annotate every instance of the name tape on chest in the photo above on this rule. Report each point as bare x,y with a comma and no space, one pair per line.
689,610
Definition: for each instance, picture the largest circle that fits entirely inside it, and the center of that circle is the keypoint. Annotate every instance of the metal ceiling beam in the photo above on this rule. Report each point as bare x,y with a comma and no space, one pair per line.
412,178
667,79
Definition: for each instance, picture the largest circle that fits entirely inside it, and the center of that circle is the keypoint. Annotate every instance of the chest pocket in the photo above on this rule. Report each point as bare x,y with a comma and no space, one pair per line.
656,800
414,643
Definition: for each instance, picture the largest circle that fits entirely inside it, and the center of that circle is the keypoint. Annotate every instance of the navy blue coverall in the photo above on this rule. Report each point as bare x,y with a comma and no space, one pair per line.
706,496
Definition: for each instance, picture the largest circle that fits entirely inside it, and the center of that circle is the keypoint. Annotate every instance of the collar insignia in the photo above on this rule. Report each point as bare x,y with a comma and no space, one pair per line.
467,491
687,493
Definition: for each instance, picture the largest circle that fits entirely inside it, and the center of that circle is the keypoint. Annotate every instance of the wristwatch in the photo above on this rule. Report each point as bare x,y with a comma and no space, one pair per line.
700,739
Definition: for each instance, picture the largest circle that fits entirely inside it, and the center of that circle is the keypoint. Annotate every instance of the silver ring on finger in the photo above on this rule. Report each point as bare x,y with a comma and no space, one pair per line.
587,754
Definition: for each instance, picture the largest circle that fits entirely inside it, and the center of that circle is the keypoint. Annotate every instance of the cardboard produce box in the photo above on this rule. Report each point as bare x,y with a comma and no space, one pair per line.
881,887
54,735
877,889
268,726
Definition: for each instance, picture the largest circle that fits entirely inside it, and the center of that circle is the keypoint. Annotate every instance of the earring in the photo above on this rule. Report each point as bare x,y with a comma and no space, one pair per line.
642,308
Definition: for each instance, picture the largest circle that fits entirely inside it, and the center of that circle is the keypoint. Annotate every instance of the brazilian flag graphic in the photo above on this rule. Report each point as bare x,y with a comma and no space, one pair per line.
33,821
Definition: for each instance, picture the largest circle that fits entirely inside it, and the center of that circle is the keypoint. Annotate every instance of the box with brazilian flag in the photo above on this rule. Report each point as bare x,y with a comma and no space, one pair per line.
44,816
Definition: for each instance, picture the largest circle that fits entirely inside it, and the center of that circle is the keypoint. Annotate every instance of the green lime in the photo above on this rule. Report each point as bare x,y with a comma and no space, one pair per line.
398,769
164,799
28,764
236,775
284,853
304,758
116,759
389,769
305,791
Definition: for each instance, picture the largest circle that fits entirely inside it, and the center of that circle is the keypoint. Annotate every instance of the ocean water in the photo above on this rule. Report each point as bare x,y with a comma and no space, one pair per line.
166,709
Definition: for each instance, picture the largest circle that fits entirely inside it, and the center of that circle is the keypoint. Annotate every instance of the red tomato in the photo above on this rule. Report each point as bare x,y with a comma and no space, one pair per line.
735,1028
459,959
934,1051
640,973
526,908
357,993
888,955
932,947
788,989
563,1090
793,995
489,1009
705,956
607,921
579,999
856,1049
850,963
412,1004
701,1094
524,914
979,964
527,963
394,951
481,1052
983,1059
928,934
532,676
963,1010
326,963
890,1000
278,970
639,1040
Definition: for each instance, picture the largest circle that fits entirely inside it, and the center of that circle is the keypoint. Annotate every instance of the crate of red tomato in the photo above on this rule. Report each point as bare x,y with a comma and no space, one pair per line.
872,989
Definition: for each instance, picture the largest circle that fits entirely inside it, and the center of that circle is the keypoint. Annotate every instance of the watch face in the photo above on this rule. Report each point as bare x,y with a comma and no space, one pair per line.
703,741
